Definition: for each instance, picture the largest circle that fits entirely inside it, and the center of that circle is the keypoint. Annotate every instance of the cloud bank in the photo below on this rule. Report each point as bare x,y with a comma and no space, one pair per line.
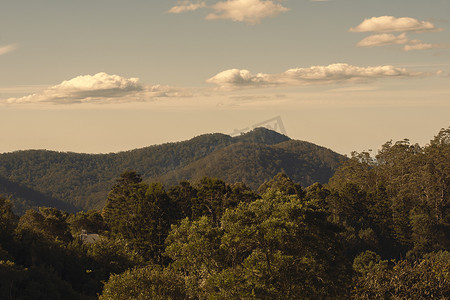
331,74
393,24
99,88
247,11
7,48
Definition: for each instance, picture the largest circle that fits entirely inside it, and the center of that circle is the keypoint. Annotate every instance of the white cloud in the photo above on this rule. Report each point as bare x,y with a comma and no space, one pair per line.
331,74
236,77
393,24
385,24
383,39
419,45
8,48
99,88
184,6
247,11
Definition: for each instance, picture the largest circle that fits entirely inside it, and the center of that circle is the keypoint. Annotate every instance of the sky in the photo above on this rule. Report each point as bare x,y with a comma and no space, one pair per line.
101,76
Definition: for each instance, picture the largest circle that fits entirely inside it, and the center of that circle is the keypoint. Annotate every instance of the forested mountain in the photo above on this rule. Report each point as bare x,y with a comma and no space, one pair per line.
82,181
380,229
25,197
253,164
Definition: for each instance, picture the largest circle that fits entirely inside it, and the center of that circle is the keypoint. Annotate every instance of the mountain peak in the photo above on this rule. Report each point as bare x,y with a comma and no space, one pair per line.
262,135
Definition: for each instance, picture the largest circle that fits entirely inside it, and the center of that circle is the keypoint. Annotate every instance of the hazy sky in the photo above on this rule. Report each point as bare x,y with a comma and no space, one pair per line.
109,75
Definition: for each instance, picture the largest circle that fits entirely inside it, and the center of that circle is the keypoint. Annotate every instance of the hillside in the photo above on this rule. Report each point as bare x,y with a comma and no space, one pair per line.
82,181
25,198
254,164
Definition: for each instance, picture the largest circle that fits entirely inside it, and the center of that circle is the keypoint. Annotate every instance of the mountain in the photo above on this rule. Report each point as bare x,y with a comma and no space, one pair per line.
82,181
25,198
254,164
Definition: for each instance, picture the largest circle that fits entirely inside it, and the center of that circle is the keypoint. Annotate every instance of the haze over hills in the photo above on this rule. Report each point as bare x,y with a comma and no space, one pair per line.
74,181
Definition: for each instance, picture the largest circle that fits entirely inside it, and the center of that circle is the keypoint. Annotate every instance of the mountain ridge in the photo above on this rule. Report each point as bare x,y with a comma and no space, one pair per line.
83,180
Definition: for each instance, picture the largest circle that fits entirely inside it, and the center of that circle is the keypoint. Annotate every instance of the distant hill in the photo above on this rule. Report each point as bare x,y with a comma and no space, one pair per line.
254,164
81,181
25,198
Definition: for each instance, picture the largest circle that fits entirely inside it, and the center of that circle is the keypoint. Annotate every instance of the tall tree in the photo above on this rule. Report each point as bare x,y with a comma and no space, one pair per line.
271,248
140,213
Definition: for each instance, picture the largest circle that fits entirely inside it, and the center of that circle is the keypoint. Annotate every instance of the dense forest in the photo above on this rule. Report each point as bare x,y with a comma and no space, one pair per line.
379,229
74,182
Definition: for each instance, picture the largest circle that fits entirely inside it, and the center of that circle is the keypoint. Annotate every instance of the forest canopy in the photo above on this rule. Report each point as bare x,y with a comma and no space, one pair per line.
378,230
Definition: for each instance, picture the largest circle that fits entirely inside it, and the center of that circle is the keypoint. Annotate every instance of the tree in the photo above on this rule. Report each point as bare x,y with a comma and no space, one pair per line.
181,196
8,221
139,213
406,198
194,248
210,201
286,248
49,223
91,221
149,282
121,201
111,256
427,278
281,182
274,247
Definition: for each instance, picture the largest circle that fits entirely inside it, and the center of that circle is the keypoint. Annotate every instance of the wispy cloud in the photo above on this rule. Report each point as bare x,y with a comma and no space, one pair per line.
382,26
331,74
419,45
393,24
383,39
99,88
247,11
7,48
184,6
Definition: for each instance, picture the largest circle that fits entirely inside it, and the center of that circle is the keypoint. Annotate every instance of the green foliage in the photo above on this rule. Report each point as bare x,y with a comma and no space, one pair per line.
24,198
262,135
33,283
274,247
182,196
90,221
111,256
210,239
8,220
427,278
47,223
195,250
282,183
149,282
366,261
140,213
214,196
402,195
253,164
123,202
74,182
